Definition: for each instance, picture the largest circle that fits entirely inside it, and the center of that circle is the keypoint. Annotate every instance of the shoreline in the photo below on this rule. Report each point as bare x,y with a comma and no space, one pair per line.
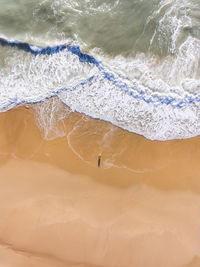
171,113
123,153
142,199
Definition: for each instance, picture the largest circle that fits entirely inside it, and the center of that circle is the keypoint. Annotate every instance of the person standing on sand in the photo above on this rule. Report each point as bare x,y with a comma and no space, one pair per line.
99,160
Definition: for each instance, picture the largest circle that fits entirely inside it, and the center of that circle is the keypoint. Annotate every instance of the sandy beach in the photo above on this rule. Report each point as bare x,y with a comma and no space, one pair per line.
140,208
100,133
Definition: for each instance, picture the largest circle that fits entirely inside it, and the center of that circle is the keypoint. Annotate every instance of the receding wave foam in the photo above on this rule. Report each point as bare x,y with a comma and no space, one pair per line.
132,96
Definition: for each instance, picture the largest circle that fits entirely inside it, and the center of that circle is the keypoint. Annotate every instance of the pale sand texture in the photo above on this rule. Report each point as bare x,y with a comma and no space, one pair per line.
57,209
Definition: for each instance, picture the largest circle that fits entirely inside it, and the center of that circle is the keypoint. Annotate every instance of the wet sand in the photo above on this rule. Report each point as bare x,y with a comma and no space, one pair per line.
57,208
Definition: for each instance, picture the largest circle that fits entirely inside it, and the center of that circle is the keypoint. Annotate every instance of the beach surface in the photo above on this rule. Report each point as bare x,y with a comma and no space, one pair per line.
141,207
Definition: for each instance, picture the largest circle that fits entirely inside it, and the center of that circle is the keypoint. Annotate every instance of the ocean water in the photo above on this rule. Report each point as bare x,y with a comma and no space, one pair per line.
133,63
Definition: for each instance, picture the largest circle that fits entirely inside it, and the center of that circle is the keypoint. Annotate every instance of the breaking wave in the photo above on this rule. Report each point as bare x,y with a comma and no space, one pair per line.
96,91
141,73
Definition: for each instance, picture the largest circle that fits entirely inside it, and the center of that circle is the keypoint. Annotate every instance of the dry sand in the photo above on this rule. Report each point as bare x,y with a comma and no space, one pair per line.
141,208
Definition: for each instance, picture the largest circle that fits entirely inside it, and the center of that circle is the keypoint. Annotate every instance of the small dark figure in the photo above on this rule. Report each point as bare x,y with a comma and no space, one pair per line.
99,161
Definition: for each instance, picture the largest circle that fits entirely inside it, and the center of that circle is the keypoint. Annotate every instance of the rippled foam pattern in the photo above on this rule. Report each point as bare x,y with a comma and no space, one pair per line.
153,94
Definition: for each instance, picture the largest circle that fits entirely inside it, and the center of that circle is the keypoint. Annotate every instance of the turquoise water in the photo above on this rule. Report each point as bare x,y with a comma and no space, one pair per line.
144,72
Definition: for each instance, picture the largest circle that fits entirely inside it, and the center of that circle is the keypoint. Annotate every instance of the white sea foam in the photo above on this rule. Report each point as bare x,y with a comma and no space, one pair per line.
104,101
175,76
25,78
29,79
146,82
50,117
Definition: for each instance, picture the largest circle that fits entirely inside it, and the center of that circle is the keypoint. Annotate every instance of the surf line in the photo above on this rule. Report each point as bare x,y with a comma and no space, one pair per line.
38,50
132,90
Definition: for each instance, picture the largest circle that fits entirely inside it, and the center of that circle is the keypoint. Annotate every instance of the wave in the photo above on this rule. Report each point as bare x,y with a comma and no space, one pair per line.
88,86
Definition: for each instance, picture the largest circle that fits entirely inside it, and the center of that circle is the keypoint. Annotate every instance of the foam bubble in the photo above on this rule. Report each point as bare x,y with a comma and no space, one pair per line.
50,116
27,78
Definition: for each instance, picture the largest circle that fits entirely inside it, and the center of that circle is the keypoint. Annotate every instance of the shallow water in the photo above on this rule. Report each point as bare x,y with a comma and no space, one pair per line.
141,66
